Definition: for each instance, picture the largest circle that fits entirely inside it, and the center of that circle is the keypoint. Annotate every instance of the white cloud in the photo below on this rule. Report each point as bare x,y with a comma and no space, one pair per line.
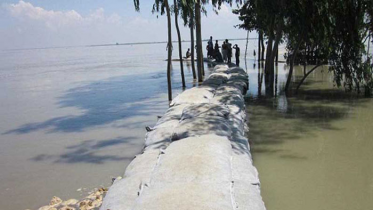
25,11
33,26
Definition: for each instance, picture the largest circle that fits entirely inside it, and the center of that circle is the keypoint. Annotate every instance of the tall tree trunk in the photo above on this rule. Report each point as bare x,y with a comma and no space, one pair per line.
247,43
263,48
192,45
179,40
259,45
292,66
269,49
275,48
169,48
199,40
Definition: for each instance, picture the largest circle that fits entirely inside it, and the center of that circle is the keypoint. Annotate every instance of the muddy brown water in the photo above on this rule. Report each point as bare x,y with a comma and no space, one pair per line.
313,150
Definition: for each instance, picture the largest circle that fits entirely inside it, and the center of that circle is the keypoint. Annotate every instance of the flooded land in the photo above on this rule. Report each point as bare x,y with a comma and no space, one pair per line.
313,150
73,118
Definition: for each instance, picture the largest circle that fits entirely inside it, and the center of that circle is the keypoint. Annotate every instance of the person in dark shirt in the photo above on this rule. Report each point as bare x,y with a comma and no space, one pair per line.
216,49
224,51
188,53
210,48
237,54
229,50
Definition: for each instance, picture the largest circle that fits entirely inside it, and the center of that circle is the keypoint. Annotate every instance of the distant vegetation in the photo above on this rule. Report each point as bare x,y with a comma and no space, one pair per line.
316,32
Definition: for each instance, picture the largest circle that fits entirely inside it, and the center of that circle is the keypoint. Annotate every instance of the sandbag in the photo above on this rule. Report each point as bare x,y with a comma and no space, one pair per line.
202,126
219,75
193,95
247,196
213,82
205,110
186,196
194,173
243,169
229,89
236,70
123,193
196,159
159,138
239,84
228,99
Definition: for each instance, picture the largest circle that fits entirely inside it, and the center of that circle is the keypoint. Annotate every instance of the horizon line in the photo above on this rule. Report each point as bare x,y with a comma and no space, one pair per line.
115,44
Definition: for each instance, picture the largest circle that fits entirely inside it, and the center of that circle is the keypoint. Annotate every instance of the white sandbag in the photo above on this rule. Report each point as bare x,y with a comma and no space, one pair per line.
193,95
221,66
239,84
237,110
202,126
228,99
205,110
143,165
229,89
123,193
171,117
239,76
167,122
237,125
186,196
213,82
243,169
220,75
159,138
203,159
240,145
247,196
236,70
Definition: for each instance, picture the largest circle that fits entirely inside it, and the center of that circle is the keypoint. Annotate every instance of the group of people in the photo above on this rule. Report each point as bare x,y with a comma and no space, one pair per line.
226,51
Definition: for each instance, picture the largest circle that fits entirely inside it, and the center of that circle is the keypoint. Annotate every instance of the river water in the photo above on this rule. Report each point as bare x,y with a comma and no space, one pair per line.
312,150
73,118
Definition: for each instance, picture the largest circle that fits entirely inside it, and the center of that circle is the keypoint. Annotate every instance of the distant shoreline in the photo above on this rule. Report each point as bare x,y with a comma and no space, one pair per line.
116,44
163,42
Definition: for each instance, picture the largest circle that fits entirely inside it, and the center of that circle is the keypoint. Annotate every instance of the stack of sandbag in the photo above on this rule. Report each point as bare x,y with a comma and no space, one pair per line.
196,156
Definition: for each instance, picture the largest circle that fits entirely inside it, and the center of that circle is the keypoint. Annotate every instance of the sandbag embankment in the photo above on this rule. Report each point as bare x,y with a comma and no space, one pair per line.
196,156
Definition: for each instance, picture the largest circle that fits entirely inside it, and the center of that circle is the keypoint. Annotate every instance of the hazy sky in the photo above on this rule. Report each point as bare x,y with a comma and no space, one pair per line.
49,23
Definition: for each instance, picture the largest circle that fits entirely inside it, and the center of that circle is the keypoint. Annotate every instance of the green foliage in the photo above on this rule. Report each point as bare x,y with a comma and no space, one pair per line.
332,31
350,25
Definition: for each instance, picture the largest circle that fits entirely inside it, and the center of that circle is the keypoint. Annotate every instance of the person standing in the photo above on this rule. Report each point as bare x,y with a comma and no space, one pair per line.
210,47
224,51
216,49
237,54
229,50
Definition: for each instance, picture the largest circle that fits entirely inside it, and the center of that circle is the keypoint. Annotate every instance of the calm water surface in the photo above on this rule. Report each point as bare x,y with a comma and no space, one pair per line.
74,118
312,150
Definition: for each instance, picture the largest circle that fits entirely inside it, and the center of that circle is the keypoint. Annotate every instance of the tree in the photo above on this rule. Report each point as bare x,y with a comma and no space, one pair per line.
352,22
176,11
199,39
318,32
187,13
162,6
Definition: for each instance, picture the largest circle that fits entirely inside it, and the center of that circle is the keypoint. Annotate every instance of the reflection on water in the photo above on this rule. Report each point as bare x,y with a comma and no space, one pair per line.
74,118
312,150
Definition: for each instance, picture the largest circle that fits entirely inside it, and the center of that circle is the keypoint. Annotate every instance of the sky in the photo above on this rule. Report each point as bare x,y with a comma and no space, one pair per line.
58,23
